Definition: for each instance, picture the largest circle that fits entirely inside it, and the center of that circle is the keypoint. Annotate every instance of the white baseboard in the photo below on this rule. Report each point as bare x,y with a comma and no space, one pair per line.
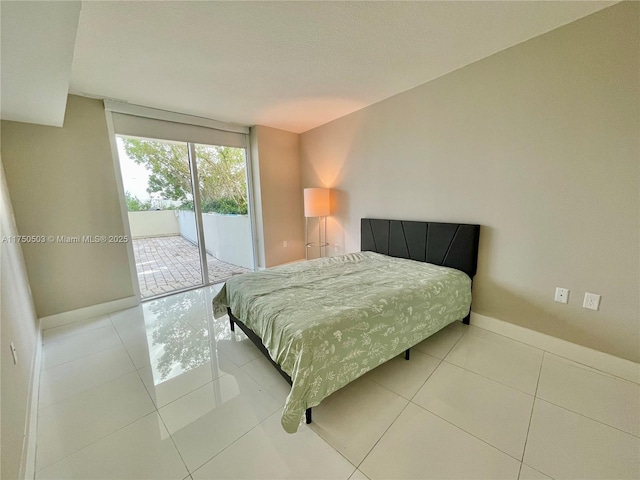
604,362
84,313
28,465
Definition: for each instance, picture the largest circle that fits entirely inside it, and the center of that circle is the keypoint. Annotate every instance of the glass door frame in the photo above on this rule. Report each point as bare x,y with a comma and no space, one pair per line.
196,201
197,205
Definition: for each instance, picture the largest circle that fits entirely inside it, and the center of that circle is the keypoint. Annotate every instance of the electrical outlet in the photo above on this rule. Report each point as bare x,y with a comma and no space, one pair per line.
591,301
562,295
336,248
13,352
285,244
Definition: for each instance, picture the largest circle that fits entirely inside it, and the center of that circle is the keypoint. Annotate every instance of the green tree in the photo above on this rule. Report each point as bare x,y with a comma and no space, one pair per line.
221,172
134,204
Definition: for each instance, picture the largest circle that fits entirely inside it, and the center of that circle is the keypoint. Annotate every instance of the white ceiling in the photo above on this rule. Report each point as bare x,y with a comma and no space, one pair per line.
37,41
289,65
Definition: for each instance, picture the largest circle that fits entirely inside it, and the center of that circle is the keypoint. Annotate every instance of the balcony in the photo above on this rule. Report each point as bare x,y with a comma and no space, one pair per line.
167,256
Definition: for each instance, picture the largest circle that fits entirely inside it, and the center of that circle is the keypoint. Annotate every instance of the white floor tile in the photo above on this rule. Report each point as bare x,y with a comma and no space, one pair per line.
221,401
187,307
268,451
165,390
440,343
528,473
67,426
76,376
238,348
563,444
79,345
263,372
499,358
419,445
489,410
142,450
133,332
58,333
404,377
352,419
597,395
125,318
210,418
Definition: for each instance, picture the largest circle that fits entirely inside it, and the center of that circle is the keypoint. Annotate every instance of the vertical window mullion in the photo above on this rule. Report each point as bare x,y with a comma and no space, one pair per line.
198,212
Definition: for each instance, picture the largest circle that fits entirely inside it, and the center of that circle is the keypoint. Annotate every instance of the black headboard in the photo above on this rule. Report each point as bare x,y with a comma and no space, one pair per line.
452,245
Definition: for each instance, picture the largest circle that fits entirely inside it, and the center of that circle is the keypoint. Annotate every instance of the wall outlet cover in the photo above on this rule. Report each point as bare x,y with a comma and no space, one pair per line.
591,301
562,295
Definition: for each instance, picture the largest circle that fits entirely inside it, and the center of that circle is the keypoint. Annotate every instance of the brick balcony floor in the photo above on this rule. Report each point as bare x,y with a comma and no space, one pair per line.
166,264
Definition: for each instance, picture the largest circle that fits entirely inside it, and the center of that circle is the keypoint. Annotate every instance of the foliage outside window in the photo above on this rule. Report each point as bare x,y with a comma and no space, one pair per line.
134,204
221,172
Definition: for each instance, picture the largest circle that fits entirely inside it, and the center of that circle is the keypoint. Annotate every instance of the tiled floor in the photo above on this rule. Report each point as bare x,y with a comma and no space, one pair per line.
164,391
167,264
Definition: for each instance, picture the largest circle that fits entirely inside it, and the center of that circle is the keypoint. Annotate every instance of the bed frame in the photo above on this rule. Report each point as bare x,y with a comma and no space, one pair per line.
452,245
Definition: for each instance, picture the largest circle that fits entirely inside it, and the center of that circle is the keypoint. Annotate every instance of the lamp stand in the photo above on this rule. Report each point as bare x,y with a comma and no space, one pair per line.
321,244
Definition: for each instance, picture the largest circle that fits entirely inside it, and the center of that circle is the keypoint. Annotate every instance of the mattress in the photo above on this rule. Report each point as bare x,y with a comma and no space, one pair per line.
328,321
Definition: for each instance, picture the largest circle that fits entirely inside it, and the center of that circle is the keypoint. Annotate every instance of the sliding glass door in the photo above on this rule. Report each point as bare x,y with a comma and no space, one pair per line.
224,210
188,212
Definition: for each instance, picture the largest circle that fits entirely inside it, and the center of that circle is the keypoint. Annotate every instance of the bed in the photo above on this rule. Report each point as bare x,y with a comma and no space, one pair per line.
325,322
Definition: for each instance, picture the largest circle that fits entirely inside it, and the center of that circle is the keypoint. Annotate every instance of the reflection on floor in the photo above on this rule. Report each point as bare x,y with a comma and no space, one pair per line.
167,264
166,391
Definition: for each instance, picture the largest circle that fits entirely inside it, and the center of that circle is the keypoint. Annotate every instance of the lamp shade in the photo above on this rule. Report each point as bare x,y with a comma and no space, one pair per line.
316,202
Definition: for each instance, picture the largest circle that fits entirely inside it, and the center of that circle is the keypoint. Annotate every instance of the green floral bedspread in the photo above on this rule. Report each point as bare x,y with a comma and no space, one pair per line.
328,321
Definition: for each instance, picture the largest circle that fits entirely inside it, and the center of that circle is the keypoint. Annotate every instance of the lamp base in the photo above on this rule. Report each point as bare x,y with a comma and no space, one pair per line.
321,244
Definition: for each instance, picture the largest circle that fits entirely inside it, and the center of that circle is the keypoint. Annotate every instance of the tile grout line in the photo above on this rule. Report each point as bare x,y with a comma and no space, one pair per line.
590,369
588,418
383,434
310,428
127,350
579,413
535,396
85,356
86,390
602,372
97,440
74,324
409,400
465,431
509,338
533,406
392,391
489,378
175,445
155,410
232,443
42,370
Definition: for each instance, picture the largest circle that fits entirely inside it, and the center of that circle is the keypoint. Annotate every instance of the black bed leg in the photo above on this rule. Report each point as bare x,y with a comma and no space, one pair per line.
307,415
231,323
466,319
407,354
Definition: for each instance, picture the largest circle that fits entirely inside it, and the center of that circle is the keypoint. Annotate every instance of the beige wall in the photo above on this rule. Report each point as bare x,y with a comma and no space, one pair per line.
278,190
540,145
18,324
62,182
